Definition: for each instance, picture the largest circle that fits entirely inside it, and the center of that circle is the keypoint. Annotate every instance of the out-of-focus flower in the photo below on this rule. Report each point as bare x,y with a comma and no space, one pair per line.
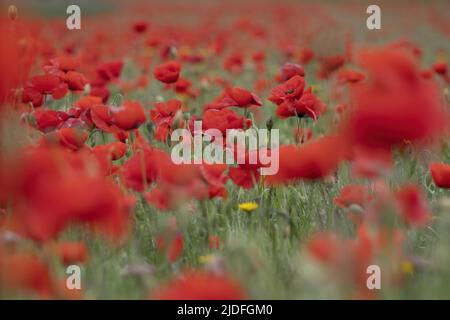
140,26
51,188
440,173
237,97
168,72
290,70
353,194
25,273
315,159
248,206
129,116
389,107
412,205
71,252
200,286
350,76
224,119
40,86
114,150
110,70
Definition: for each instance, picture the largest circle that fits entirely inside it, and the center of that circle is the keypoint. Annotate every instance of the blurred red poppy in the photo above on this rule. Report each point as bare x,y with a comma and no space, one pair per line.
353,194
168,72
71,252
25,272
290,70
129,116
75,80
412,205
237,97
224,119
315,159
200,286
389,108
40,86
110,70
114,150
440,173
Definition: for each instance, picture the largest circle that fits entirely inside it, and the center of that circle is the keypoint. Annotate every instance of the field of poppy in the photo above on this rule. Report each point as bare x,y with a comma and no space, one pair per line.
359,207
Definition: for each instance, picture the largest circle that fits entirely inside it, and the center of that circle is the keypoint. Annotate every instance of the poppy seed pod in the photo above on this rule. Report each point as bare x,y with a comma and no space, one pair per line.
12,12
269,123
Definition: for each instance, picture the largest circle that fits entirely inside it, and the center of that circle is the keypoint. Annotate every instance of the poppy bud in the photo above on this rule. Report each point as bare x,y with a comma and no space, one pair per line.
12,12
269,123
186,116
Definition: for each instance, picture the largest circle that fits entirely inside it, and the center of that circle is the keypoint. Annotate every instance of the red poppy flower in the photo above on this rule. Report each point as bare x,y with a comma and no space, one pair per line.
141,169
200,286
290,90
47,120
234,62
168,72
163,116
101,117
100,91
389,108
72,138
140,26
352,194
110,70
245,178
290,70
175,247
224,119
315,159
440,173
71,252
184,86
324,247
164,112
175,184
330,64
246,174
75,80
41,86
371,163
62,64
307,105
412,205
306,55
159,198
215,176
87,102
237,97
440,68
114,150
128,116
350,76
25,273
55,188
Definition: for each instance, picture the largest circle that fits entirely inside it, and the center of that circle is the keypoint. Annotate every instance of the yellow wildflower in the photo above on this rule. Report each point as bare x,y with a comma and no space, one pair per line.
248,206
407,267
206,258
